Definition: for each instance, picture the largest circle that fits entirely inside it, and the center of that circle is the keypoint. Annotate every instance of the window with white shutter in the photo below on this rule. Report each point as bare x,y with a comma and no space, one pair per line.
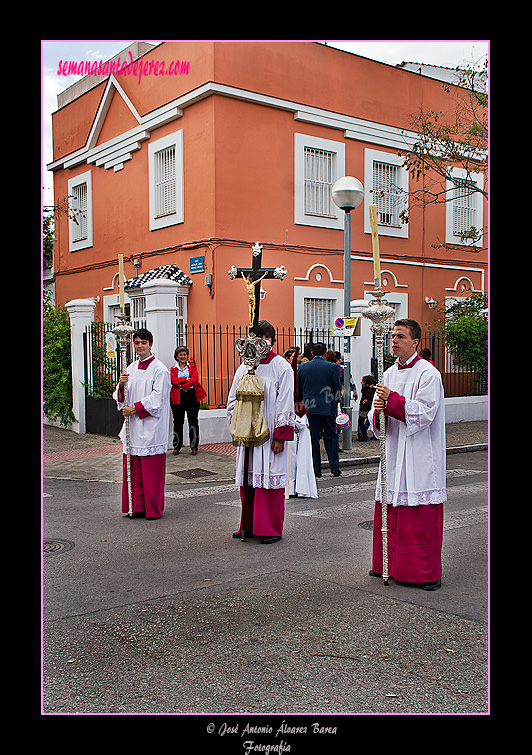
139,311
319,183
166,181
317,314
386,193
318,164
465,210
80,212
165,190
463,207
386,186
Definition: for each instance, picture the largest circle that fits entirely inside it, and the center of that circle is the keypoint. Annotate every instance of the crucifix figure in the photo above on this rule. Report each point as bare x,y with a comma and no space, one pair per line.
252,277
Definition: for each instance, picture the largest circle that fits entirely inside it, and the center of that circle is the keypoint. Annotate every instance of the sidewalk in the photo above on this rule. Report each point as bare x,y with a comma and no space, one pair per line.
96,457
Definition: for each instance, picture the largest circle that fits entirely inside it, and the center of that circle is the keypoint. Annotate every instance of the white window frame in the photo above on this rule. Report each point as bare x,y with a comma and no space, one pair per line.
477,205
178,216
336,295
73,227
372,156
338,170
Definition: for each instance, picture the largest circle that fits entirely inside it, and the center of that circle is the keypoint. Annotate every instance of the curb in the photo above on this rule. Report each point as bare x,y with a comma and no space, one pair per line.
376,459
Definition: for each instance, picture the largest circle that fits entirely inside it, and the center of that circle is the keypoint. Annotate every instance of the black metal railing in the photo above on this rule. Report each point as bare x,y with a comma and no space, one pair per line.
212,348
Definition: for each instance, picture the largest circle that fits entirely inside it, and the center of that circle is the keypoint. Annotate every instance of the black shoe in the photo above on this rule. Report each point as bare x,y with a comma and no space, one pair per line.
272,539
336,472
238,535
430,586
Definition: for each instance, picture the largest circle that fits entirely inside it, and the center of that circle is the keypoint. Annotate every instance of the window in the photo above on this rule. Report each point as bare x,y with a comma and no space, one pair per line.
80,212
165,168
138,304
463,207
165,182
386,186
465,210
386,193
318,163
318,182
318,314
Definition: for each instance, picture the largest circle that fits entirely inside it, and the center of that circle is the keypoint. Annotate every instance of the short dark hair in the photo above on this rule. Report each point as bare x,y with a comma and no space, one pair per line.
143,335
413,327
319,349
265,328
180,348
369,379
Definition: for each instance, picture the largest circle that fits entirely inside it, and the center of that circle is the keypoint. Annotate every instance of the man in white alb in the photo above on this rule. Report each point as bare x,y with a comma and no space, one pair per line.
411,395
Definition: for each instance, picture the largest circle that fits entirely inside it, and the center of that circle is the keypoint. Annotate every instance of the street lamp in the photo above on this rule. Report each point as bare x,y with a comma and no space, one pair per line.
347,194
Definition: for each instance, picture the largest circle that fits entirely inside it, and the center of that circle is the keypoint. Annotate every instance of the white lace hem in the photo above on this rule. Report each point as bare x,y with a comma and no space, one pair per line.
423,498
259,480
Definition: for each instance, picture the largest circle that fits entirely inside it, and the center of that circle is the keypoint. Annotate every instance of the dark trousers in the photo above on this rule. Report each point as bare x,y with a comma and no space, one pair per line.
327,423
363,424
190,405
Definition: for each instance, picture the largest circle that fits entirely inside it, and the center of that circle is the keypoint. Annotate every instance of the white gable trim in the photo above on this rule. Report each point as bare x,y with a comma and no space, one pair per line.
353,128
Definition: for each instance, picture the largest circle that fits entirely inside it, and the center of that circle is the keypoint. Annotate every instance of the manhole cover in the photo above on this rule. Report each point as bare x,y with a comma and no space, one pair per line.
56,546
192,473
366,525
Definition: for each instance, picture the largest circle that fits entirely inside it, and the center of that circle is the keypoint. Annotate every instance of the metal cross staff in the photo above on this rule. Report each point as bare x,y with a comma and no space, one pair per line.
252,348
123,332
252,276
379,312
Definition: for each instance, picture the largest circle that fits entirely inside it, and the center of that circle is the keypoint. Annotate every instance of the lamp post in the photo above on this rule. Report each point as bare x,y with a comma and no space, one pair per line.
347,194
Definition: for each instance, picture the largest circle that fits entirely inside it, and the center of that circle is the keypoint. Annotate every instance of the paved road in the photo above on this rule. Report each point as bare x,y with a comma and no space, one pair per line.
175,616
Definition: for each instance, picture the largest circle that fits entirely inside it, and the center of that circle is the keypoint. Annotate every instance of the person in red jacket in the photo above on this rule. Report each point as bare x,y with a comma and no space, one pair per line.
185,396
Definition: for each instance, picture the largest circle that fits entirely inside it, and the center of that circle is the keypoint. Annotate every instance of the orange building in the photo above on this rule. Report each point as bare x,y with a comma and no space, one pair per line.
197,150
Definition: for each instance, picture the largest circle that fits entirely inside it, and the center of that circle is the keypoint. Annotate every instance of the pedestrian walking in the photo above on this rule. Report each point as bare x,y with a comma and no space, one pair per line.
367,391
320,390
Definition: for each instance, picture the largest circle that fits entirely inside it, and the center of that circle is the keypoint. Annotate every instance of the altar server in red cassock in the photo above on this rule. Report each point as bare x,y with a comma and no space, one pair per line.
148,381
268,462
411,395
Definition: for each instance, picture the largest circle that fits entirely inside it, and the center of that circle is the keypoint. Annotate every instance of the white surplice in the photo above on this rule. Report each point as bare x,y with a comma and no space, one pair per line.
415,449
266,469
148,436
302,477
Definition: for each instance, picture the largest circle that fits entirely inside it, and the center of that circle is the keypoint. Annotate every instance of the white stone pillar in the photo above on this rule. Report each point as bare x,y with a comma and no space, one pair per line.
161,311
81,312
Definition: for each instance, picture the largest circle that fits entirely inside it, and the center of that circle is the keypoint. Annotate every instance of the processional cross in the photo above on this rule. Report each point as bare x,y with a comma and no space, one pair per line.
252,349
252,277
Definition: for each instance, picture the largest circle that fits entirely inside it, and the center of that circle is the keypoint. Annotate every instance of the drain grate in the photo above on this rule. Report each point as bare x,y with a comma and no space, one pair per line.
51,547
366,525
190,474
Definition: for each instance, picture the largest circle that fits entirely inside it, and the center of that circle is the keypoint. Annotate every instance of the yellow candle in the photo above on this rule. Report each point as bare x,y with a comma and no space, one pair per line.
375,241
121,279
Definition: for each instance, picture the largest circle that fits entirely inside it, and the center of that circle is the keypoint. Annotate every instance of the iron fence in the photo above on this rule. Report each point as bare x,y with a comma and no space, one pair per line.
212,348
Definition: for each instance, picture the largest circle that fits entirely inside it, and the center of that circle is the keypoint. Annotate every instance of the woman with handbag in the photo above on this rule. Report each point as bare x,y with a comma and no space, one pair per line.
185,397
